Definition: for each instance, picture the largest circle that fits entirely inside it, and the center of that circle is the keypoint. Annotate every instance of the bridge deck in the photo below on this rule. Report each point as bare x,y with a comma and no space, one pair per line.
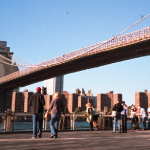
77,140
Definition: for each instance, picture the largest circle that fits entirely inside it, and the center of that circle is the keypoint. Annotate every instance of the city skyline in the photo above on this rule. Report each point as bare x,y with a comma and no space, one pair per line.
38,31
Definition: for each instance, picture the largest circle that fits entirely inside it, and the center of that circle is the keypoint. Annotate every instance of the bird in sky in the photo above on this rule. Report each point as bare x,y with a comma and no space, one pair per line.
66,12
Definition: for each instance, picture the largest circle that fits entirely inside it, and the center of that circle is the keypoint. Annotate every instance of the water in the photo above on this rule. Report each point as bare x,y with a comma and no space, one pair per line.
28,126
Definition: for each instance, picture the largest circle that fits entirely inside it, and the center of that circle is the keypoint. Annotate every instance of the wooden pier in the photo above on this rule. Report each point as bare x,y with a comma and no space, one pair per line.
77,140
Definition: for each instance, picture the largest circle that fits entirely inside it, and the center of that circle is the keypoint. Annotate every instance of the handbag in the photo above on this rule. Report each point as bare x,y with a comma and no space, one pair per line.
47,115
114,113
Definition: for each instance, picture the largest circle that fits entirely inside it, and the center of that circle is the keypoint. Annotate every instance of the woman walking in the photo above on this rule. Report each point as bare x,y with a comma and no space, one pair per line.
56,107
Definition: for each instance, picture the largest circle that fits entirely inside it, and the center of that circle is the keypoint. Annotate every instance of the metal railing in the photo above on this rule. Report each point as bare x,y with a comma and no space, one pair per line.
9,121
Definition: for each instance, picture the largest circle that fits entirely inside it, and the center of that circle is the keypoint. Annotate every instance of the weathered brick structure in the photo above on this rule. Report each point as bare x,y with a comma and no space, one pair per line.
48,99
141,99
5,100
108,99
82,100
72,102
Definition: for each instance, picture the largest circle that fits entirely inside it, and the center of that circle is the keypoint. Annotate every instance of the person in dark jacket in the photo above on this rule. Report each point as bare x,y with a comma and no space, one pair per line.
37,102
117,107
124,119
56,107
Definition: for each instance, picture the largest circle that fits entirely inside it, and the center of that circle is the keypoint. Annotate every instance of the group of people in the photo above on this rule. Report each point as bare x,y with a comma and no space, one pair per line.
122,113
121,110
92,116
135,118
56,106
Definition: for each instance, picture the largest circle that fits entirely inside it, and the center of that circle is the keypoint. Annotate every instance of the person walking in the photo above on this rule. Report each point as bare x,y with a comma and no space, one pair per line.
89,115
131,116
95,118
124,119
143,114
148,112
56,107
117,107
37,102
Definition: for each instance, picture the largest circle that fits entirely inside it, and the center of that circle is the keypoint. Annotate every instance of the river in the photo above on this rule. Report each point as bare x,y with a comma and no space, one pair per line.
27,126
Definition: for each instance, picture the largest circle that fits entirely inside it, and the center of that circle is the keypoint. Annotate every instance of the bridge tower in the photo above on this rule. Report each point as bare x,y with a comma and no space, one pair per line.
6,68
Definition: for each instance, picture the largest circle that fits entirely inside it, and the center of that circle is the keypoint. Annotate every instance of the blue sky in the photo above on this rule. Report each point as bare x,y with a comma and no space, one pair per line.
39,30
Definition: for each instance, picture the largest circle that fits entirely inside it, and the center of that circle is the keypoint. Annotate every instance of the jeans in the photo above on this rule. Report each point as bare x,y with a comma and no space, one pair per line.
144,123
35,118
117,119
54,124
124,124
131,122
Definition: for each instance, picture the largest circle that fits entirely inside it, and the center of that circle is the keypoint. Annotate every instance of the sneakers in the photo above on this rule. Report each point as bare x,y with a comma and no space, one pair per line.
33,137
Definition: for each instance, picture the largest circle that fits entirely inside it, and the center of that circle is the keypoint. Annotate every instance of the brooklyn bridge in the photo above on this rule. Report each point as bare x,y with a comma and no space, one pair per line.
118,48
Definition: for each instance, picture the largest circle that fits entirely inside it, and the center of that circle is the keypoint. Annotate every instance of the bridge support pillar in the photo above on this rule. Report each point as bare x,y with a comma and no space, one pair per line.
5,101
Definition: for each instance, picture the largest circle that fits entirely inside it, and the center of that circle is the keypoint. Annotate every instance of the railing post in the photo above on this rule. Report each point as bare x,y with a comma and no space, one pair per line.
63,122
13,121
71,121
101,121
44,123
9,113
5,121
73,125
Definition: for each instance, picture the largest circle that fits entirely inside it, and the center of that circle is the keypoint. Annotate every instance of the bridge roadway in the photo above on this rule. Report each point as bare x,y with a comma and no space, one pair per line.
112,52
78,140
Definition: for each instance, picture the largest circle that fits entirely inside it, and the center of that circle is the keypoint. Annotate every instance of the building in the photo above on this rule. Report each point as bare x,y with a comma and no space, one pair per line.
142,99
108,99
54,85
6,68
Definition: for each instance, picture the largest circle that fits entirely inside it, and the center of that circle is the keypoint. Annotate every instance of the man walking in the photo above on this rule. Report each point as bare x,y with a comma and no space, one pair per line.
143,114
37,102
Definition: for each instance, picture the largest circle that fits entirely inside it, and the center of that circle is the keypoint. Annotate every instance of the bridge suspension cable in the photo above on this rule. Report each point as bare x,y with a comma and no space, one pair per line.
14,63
22,60
132,25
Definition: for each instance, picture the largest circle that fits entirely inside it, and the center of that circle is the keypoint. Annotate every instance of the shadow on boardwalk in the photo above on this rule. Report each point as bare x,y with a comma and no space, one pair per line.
74,140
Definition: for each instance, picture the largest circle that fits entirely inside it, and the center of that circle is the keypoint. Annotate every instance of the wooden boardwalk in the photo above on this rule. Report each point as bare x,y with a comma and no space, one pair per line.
77,140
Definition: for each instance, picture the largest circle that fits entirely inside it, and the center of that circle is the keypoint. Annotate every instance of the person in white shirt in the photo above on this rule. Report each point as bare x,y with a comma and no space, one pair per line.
148,112
132,114
143,114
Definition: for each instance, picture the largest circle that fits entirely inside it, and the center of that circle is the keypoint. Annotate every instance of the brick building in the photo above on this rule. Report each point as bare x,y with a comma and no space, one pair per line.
17,102
5,100
142,99
20,101
72,102
48,99
108,99
82,100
